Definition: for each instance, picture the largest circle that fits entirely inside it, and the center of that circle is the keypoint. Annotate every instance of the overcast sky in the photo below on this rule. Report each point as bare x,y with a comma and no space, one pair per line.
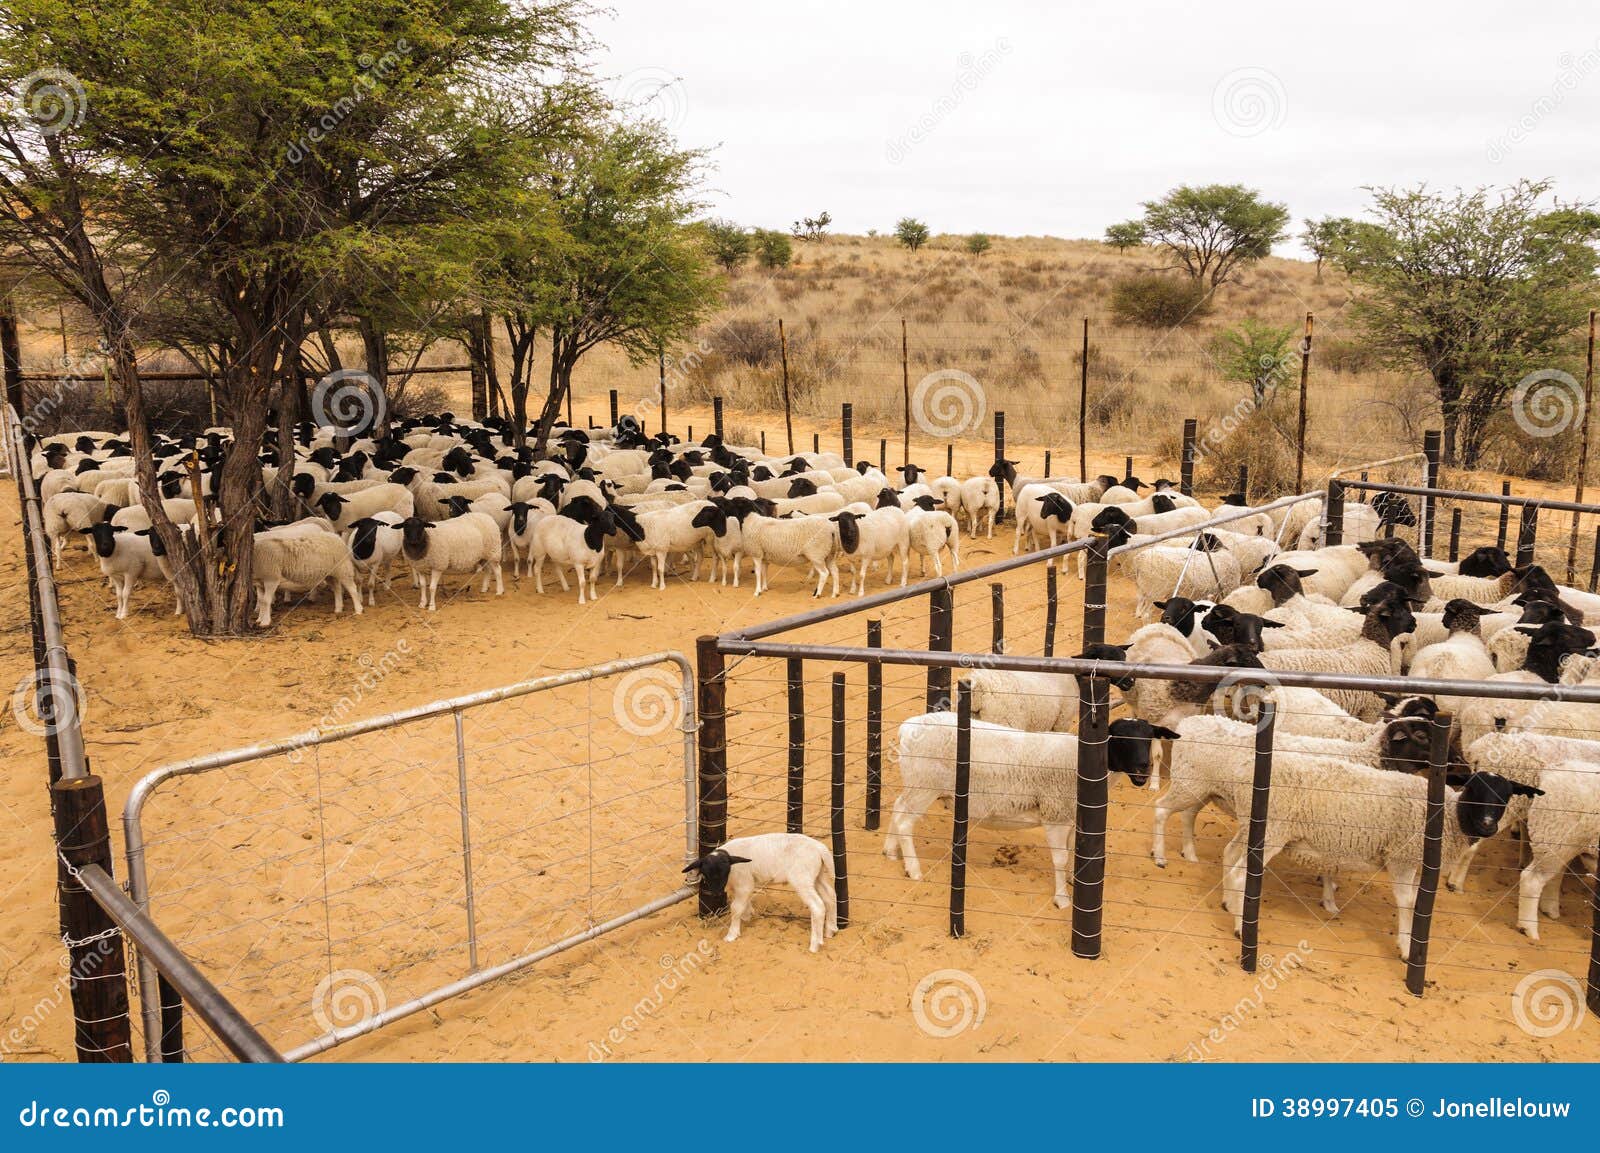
1051,118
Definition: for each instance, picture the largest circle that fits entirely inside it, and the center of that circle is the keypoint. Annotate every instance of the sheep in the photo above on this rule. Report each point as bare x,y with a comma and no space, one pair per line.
1017,779
1478,590
525,514
1078,492
1215,763
70,512
1158,644
1368,655
1041,513
126,557
1361,523
120,491
1251,551
1462,657
768,541
1159,571
980,503
431,497
882,534
1036,702
1561,824
946,492
1330,813
1549,647
374,542
301,561
929,533
1487,561
180,510
344,509
821,502
1188,617
804,863
464,544
670,532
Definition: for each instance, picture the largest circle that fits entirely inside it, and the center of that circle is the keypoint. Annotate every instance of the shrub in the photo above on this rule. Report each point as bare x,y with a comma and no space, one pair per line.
911,232
773,249
978,243
729,243
1256,355
1245,437
1151,300
748,342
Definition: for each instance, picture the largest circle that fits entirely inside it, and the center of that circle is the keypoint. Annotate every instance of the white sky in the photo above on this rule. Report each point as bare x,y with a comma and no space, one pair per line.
1032,118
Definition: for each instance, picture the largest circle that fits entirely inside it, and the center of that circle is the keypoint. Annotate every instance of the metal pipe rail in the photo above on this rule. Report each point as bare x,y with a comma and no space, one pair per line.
1480,497
156,948
1196,674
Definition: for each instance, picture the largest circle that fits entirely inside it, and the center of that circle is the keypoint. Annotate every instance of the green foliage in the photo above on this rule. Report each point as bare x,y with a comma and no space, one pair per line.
1128,234
729,243
1326,238
1155,300
978,243
1257,355
911,232
773,249
1213,230
811,227
1478,289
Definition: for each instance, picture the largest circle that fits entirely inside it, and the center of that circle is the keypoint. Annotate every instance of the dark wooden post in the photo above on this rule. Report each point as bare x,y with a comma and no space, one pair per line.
11,357
1432,851
1505,516
783,360
959,804
1083,407
1050,605
1127,466
847,434
763,441
1186,462
1255,866
1089,845
171,1047
816,442
1333,512
98,975
1583,452
841,877
1431,442
614,415
1094,592
941,626
1594,563
1455,535
795,822
874,726
1594,948
883,455
689,434
1300,436
1047,462
711,689
949,460
1244,482
716,416
905,390
997,611
1527,533
999,455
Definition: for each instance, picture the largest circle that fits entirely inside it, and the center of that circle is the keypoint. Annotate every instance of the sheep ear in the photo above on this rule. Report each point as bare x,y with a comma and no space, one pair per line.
1273,624
1305,572
693,865
1162,605
732,860
1166,734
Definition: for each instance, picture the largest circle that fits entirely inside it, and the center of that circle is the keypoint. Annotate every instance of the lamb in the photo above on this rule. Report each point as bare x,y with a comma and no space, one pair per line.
1017,780
1361,523
1041,514
1478,590
180,510
804,863
525,514
464,544
1332,814
1204,571
930,532
1189,618
1462,657
126,557
1562,824
119,490
1549,647
344,509
69,512
1251,551
430,497
946,492
821,502
1159,644
1078,492
1368,655
374,543
867,538
670,532
769,541
980,503
301,561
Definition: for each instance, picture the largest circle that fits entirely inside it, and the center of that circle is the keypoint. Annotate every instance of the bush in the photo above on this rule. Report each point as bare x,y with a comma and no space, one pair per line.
1151,300
1245,438
911,232
773,249
749,342
729,243
1256,355
978,243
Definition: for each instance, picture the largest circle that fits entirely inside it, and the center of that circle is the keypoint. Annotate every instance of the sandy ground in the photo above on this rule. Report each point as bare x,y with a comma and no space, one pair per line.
347,861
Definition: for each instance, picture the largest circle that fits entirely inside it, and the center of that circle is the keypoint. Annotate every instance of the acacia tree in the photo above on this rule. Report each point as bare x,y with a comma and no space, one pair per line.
1210,231
197,120
1325,237
629,269
1477,289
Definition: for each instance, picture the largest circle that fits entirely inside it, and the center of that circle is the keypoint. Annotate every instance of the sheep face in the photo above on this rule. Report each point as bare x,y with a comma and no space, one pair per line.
1054,506
1488,561
713,518
1404,745
103,535
1482,803
414,537
1128,750
714,868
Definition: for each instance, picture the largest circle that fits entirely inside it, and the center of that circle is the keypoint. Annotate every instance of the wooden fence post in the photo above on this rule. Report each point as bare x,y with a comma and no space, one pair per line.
1583,451
1083,408
1244,482
883,455
905,388
941,626
98,975
949,460
1432,851
716,416
712,807
1333,513
847,434
1186,463
841,872
1047,462
614,416
783,359
997,612
1300,436
1527,533
1094,592
999,455
1089,845
1455,535
1255,868
1505,516
874,726
1594,949
1050,607
959,803
796,811
1432,439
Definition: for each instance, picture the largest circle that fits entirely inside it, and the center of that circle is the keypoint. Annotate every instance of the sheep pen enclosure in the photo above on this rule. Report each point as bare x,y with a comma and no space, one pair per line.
332,885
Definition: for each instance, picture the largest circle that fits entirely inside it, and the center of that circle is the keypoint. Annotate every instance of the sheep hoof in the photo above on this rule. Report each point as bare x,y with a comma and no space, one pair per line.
1191,855
1530,931
1161,862
1063,902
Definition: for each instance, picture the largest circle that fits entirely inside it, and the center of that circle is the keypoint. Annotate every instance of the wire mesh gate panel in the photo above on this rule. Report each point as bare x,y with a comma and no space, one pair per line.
344,878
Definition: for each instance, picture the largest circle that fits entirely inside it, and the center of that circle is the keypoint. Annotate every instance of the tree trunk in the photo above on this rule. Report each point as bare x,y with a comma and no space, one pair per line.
375,344
280,499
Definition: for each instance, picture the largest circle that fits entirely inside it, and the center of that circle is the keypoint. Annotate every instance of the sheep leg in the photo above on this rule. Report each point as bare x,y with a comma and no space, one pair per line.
1405,901
833,568
538,574
737,911
1083,563
1457,880
818,909
1330,887
264,597
433,591
902,819
1539,874
830,898
822,579
1059,838
579,570
1550,900
905,567
499,580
